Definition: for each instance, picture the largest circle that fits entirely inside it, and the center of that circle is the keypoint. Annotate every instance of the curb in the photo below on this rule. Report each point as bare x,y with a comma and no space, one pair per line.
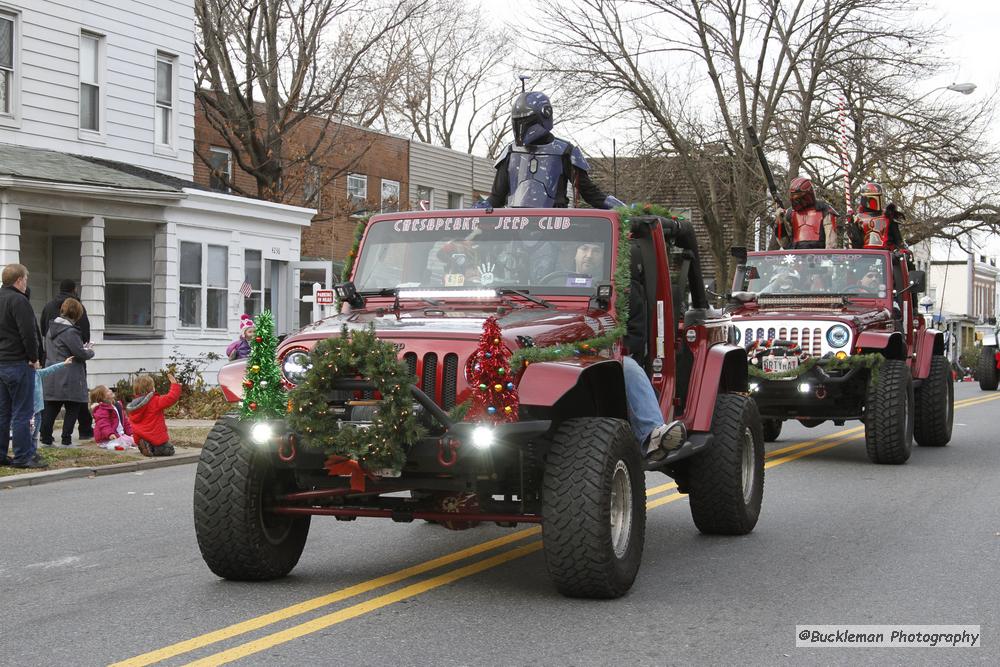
49,476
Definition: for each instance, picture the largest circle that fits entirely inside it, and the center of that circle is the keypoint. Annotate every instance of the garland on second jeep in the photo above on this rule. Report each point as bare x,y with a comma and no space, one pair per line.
621,282
871,361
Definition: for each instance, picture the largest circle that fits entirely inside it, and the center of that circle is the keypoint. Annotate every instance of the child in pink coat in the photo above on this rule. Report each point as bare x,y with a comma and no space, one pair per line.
240,348
112,429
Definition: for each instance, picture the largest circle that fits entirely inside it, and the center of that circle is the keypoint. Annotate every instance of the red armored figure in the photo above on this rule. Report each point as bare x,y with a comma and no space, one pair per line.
810,223
876,224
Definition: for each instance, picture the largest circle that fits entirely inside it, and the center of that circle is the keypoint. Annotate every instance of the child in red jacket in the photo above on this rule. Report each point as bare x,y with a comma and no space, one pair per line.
146,412
112,429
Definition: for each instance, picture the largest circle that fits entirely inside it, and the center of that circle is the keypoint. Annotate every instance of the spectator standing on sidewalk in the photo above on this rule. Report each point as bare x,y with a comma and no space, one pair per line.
19,356
67,290
69,389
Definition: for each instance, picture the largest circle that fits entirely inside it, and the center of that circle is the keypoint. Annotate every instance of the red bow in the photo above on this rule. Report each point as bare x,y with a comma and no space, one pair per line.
340,465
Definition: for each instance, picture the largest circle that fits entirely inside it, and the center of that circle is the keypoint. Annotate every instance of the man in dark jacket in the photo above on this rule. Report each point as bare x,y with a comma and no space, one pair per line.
67,289
19,356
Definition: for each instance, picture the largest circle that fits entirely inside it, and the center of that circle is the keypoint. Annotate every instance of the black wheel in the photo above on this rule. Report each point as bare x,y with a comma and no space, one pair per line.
935,406
889,414
771,428
594,506
726,481
989,375
234,487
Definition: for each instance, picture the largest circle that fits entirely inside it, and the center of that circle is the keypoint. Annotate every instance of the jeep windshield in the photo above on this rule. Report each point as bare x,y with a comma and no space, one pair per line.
538,254
814,274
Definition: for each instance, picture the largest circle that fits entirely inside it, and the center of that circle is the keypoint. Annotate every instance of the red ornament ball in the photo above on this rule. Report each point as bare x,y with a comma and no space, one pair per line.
259,339
253,407
248,383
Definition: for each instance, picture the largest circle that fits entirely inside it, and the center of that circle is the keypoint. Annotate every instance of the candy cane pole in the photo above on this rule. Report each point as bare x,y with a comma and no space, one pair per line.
843,156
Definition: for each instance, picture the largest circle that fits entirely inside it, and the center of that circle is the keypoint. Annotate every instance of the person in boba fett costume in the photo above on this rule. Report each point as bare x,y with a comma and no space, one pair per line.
534,170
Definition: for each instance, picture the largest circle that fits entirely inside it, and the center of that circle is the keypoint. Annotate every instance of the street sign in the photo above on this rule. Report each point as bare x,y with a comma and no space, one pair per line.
324,297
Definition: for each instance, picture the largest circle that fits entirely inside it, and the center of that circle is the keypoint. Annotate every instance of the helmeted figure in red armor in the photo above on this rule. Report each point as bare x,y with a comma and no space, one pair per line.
809,223
876,224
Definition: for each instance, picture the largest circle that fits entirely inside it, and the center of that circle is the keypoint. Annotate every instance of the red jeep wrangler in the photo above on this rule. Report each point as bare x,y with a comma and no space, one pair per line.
833,334
427,282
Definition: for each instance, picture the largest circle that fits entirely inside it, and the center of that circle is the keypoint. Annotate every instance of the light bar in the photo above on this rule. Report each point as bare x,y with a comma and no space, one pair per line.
445,294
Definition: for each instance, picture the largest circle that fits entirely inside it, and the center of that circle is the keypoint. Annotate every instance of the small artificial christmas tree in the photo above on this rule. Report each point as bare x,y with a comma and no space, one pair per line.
494,395
263,396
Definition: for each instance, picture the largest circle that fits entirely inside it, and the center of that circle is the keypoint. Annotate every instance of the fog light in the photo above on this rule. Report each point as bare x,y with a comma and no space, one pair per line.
261,433
754,387
482,437
804,388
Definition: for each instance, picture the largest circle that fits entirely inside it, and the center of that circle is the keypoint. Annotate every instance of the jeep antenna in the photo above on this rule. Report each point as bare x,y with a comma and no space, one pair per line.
524,79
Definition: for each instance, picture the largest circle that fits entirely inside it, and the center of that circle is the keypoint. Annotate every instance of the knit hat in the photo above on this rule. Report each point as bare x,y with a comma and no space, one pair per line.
245,321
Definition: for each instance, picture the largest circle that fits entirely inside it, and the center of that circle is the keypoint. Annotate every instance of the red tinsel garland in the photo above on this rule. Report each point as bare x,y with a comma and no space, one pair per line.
494,394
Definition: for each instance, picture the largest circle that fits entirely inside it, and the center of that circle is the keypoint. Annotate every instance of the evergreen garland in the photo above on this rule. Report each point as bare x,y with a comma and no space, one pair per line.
622,280
394,426
263,396
871,361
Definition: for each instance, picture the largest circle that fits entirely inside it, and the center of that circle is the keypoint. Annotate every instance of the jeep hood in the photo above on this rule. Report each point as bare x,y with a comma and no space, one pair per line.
858,315
535,326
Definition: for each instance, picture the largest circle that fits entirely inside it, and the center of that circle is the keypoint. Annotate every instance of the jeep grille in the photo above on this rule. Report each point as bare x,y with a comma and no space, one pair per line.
439,381
811,338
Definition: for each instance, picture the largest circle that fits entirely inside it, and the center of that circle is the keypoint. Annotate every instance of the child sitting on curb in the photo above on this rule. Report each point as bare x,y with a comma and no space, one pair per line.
39,406
240,348
149,428
112,429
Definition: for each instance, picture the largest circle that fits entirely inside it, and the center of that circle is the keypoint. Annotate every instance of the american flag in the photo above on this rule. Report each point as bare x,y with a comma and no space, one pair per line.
246,289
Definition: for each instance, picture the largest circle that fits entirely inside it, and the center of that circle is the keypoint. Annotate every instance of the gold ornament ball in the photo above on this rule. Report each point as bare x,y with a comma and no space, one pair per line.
507,409
255,369
497,387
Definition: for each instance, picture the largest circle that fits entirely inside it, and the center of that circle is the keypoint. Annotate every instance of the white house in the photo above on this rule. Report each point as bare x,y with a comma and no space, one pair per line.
96,164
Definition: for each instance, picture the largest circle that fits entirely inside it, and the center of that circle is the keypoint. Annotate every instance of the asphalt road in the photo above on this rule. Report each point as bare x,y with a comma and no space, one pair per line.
96,571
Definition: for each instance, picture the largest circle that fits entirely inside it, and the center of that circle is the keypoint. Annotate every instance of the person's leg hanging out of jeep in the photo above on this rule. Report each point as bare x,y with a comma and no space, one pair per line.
643,410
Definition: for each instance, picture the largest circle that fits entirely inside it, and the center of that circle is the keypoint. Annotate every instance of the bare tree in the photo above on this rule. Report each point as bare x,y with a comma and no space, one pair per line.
778,66
268,68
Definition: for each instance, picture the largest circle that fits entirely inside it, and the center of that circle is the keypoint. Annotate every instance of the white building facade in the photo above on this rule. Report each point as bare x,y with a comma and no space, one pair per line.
446,178
96,162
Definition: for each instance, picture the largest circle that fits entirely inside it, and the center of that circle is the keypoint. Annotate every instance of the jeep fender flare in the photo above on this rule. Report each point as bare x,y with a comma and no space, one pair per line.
889,345
929,345
724,371
574,388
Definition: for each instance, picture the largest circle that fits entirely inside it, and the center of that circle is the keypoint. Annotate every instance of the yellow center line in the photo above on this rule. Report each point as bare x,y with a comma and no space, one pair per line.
406,573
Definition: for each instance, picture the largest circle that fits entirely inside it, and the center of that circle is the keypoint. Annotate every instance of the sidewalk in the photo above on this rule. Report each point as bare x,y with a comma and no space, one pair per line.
181,429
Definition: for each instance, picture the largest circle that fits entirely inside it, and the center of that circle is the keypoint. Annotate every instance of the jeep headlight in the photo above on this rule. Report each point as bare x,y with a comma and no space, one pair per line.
295,365
838,335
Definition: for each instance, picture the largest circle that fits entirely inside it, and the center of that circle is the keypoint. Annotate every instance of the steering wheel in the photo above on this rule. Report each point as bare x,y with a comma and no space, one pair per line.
547,279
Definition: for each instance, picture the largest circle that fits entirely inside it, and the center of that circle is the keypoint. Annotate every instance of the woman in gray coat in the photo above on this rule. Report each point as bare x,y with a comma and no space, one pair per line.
67,389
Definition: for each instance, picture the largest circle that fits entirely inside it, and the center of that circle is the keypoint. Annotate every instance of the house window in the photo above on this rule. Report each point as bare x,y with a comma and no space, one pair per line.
203,277
312,189
455,200
220,162
90,82
426,194
357,190
7,53
390,196
165,99
128,276
257,277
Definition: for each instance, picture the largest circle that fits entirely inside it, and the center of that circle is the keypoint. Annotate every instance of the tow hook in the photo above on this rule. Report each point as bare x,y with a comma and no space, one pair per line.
286,448
448,451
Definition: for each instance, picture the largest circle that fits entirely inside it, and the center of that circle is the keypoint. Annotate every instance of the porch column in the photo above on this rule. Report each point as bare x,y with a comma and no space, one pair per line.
10,233
92,274
165,290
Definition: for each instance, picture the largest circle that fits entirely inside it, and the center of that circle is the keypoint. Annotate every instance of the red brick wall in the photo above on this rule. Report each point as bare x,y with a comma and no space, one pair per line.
360,151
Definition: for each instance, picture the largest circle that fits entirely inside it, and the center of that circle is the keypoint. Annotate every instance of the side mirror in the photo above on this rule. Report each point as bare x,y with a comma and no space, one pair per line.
739,252
918,281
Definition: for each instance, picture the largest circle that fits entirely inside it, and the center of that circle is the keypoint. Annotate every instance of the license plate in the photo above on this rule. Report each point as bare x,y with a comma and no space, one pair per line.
780,364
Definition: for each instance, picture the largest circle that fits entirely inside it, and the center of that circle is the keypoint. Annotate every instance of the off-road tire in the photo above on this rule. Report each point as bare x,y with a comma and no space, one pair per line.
889,414
989,374
935,406
726,480
585,458
234,484
771,429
